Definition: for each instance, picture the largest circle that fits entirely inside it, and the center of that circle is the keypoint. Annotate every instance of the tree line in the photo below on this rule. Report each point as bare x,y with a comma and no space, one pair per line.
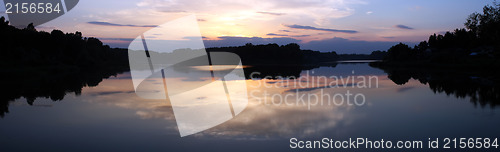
37,64
274,54
29,47
478,41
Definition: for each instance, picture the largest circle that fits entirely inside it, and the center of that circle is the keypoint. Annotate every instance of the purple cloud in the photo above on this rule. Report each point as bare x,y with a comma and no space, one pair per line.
295,26
404,27
274,34
300,35
114,24
271,13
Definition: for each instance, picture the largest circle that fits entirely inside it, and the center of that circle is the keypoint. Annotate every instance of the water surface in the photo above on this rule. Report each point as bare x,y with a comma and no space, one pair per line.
403,106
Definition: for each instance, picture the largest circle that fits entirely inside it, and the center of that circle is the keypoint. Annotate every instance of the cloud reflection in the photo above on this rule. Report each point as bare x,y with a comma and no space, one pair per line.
260,120
257,121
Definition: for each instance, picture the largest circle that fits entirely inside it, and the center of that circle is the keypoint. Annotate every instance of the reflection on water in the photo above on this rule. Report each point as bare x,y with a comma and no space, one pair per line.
482,89
53,83
110,115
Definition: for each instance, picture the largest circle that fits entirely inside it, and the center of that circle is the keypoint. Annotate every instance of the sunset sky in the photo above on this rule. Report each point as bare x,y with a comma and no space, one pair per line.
354,26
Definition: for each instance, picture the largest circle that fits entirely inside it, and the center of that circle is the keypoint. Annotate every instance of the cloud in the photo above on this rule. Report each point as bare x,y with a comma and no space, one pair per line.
319,12
295,26
284,30
300,35
272,13
202,20
403,27
274,34
369,13
111,93
388,37
114,24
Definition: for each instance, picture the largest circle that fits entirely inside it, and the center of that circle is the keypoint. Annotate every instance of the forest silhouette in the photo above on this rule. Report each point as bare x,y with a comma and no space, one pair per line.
274,54
463,63
38,64
475,45
29,47
481,88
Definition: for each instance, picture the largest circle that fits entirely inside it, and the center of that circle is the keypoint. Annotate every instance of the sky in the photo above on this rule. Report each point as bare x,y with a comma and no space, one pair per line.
344,26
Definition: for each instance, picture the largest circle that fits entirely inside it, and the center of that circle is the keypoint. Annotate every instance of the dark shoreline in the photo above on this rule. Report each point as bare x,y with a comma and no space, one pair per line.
480,66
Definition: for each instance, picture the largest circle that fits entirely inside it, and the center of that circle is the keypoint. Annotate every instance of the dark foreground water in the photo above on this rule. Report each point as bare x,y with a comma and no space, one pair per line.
396,105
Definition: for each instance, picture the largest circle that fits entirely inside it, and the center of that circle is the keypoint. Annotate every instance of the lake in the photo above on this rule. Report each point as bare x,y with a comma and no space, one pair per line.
384,104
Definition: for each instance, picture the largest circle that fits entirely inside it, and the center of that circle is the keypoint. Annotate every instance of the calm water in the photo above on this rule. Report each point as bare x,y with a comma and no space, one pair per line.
110,116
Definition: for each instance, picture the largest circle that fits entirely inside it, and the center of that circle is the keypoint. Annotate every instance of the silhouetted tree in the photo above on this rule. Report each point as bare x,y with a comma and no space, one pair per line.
3,22
399,52
30,27
378,55
485,25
